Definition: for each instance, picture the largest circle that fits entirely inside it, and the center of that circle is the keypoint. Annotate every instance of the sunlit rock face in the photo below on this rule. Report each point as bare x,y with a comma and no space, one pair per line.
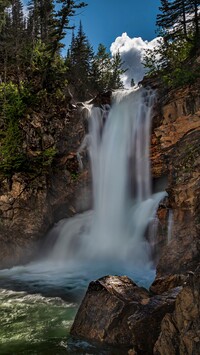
175,152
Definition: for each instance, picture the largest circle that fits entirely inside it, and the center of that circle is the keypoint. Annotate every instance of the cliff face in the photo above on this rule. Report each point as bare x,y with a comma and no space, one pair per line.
180,330
175,153
31,202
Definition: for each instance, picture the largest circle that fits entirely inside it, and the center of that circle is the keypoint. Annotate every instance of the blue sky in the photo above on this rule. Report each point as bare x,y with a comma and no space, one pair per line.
124,26
104,20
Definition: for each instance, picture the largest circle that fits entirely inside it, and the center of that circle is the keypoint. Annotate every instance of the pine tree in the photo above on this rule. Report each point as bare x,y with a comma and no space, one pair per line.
116,72
66,10
12,41
193,7
107,71
17,33
41,19
79,61
101,69
176,18
5,45
172,19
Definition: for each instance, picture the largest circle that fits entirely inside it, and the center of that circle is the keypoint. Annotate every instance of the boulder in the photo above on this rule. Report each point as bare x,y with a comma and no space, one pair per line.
118,312
103,314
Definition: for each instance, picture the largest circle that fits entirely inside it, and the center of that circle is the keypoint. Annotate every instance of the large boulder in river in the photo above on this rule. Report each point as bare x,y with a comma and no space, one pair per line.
118,312
103,314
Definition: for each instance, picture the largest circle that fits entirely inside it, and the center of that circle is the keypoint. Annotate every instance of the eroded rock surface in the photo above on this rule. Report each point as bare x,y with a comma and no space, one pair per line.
116,311
175,153
180,331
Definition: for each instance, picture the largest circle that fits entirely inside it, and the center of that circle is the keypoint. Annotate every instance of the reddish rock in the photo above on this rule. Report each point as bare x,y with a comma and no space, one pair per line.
175,152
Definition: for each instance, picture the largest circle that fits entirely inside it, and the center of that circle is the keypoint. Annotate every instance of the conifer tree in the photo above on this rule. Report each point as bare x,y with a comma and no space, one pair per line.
3,5
5,45
66,10
12,40
172,19
116,72
79,63
176,18
41,19
107,71
101,69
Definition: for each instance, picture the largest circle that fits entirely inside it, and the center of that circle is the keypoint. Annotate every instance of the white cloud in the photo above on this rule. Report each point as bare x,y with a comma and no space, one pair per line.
132,52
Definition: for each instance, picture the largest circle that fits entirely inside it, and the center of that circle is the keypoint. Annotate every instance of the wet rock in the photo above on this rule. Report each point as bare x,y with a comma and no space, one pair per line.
103,314
180,331
166,283
118,312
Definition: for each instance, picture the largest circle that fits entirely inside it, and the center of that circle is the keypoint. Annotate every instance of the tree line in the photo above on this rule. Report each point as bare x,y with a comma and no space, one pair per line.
179,28
31,49
35,75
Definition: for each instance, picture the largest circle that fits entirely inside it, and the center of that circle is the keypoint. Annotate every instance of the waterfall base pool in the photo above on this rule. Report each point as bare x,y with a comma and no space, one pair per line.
38,303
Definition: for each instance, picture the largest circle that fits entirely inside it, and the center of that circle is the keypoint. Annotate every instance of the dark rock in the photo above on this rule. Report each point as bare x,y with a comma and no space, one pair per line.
30,203
180,331
145,322
103,98
103,314
116,311
166,283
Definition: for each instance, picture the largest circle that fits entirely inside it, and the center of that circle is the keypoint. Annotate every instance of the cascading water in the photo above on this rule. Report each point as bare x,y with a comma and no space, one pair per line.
118,146
111,239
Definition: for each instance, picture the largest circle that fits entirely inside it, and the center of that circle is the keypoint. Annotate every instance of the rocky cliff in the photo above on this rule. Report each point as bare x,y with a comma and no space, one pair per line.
31,202
175,153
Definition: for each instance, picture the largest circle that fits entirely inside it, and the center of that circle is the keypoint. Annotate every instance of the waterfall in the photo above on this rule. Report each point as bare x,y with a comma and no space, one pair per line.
123,203
113,237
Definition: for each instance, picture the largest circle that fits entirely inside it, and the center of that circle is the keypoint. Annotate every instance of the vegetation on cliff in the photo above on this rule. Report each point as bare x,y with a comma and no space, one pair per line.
35,76
174,59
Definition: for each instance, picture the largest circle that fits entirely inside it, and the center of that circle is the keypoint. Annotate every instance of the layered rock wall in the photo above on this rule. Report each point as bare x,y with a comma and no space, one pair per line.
175,153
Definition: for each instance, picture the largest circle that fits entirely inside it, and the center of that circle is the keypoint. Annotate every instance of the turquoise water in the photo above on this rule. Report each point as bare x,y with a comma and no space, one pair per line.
38,303
33,324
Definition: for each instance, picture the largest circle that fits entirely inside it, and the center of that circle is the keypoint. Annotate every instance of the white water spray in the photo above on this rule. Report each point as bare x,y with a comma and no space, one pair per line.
111,239
123,203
